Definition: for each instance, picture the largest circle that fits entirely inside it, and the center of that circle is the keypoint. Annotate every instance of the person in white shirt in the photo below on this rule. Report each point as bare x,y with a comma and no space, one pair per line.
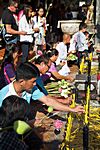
26,25
81,46
39,21
73,43
78,43
62,48
62,57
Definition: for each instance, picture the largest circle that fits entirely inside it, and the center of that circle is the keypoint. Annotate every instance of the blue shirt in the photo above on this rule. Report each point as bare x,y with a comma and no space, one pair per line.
40,86
9,90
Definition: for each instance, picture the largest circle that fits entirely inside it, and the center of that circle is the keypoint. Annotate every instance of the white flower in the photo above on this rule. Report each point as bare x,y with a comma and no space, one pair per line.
64,93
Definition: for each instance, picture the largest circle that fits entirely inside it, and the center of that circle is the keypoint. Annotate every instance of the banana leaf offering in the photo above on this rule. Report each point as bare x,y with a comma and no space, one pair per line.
72,57
60,89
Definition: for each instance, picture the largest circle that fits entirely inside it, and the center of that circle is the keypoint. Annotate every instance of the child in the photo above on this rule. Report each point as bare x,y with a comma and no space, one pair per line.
40,22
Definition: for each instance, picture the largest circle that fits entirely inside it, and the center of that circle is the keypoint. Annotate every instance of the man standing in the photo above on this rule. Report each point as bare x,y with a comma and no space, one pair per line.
81,46
11,32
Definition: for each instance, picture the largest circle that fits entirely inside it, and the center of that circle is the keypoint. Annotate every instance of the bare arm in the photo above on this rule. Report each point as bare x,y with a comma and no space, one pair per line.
58,76
50,101
12,31
66,101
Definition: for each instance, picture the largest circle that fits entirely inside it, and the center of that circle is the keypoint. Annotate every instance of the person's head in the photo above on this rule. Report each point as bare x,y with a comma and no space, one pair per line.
53,54
26,75
66,38
13,108
82,27
33,12
27,11
43,63
13,5
86,34
40,11
11,56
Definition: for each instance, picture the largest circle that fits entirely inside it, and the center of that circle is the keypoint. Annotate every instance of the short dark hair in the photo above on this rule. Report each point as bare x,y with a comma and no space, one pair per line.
82,26
13,2
27,71
14,108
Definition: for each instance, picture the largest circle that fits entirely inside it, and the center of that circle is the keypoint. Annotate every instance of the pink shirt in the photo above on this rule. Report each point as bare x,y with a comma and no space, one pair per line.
52,68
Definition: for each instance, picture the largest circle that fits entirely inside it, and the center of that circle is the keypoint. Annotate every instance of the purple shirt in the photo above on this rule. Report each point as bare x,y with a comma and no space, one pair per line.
9,72
53,68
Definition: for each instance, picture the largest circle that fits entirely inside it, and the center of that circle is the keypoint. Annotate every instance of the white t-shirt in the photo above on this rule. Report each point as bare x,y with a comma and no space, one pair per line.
27,27
9,90
81,42
65,70
62,49
39,23
73,42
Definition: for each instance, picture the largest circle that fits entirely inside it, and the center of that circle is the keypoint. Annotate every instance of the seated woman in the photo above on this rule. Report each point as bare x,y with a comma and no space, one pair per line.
9,64
13,108
53,55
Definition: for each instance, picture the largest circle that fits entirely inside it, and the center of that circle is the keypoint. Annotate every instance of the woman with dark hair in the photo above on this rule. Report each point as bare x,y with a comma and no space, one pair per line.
9,65
16,108
26,25
13,109
53,55
39,22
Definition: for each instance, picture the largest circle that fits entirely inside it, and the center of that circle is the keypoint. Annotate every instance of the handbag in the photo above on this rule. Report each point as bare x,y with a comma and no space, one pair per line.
8,38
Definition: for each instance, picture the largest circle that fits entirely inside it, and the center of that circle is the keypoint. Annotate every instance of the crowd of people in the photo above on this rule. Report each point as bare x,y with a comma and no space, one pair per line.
22,81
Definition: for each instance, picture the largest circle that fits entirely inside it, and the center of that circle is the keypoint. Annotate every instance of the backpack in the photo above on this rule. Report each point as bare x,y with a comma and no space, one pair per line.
8,38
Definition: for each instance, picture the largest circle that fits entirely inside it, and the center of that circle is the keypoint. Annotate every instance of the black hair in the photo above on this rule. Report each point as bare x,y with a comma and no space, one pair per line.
82,25
2,117
26,11
13,2
27,71
14,108
8,57
41,7
42,58
86,32
52,52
